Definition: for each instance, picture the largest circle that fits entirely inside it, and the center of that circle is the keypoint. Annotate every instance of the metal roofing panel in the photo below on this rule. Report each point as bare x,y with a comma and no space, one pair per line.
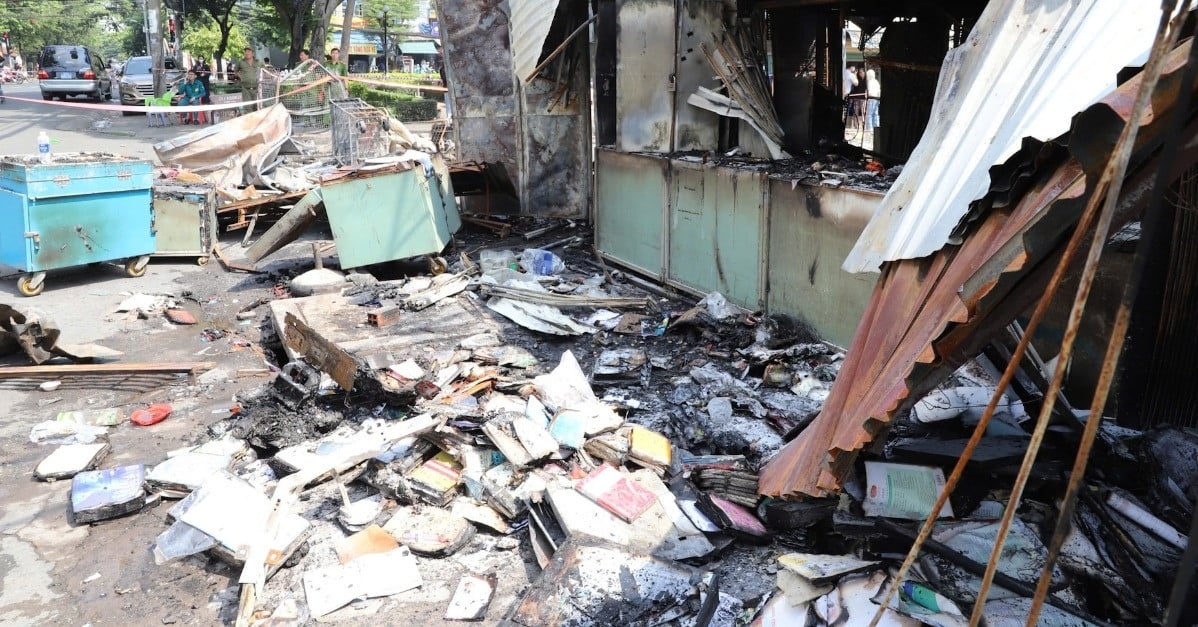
1025,70
928,315
530,24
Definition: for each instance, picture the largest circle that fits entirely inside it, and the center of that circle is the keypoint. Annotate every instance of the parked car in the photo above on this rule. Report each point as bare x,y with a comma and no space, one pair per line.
137,80
67,70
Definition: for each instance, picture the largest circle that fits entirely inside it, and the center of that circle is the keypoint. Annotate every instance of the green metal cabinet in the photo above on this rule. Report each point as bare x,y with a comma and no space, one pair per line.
185,218
391,215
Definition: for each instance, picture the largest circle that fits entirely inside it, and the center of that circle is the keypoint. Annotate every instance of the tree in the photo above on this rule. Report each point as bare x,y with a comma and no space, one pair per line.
297,15
347,26
204,39
220,13
32,24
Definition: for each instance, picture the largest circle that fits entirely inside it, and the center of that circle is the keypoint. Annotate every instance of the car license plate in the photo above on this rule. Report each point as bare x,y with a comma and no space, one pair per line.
66,75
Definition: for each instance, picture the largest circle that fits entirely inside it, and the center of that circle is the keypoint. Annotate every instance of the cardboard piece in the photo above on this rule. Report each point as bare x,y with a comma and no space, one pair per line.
799,589
369,576
903,491
69,460
472,598
535,438
208,509
181,474
368,541
480,514
101,494
779,611
820,568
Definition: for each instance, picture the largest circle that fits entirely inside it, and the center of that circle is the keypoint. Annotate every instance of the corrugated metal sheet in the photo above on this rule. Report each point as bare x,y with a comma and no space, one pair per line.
531,20
1024,71
927,316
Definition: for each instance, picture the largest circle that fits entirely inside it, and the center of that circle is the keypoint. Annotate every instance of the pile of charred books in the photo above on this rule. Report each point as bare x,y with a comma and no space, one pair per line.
619,474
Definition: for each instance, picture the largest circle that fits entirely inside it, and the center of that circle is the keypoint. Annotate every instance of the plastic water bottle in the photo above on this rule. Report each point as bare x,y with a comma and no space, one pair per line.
43,147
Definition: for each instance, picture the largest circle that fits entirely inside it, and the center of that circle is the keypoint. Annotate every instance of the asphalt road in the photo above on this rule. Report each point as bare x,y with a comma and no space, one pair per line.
88,128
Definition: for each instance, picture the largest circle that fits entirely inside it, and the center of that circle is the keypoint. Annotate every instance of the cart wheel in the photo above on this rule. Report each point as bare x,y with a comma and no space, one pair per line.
437,265
203,261
137,266
29,287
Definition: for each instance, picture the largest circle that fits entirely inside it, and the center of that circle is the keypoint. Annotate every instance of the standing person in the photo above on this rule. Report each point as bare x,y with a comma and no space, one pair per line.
304,55
857,99
873,91
248,72
204,74
848,84
193,94
336,67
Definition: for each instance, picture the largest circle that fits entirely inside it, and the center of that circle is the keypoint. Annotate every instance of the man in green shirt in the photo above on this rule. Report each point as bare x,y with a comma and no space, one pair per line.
336,66
248,72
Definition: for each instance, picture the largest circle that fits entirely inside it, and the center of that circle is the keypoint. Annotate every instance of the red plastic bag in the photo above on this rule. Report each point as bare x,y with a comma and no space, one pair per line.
153,414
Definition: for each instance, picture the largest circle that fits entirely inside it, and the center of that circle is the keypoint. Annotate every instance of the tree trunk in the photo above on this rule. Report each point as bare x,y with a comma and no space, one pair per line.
347,27
324,13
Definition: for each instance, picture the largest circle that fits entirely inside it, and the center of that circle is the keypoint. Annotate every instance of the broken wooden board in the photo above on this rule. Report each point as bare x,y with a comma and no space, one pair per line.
339,321
82,370
321,353
289,227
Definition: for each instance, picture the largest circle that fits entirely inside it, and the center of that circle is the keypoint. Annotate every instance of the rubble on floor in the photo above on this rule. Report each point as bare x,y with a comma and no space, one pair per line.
414,437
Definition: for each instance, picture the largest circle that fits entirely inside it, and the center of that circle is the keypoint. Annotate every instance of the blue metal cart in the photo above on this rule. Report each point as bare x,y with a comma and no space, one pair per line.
81,208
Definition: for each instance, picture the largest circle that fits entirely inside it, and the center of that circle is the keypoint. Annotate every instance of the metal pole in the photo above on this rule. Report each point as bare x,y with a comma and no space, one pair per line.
145,24
386,48
154,24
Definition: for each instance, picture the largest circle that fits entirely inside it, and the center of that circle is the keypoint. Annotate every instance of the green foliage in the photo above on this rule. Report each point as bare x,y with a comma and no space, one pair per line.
32,24
398,12
268,27
405,107
203,38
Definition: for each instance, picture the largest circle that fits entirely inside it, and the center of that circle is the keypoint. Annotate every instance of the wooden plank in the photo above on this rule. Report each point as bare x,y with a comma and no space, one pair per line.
259,201
229,265
288,228
80,370
321,353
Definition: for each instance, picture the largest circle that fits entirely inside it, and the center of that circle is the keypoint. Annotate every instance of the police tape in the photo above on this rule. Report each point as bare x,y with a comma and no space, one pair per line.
171,108
366,81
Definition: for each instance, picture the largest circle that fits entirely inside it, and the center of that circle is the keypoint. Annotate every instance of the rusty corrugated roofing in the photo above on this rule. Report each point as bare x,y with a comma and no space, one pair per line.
927,316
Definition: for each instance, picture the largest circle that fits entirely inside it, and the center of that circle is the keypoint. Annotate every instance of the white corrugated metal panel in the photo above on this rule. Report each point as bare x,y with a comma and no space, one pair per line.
1025,70
530,24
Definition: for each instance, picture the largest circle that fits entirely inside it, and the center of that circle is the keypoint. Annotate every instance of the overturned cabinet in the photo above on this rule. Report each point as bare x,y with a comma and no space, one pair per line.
185,219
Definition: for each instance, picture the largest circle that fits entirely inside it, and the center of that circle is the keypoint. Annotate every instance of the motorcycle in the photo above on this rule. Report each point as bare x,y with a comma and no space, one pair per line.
9,75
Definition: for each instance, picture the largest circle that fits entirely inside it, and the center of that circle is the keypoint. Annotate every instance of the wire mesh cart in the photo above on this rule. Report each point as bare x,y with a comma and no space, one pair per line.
82,208
360,131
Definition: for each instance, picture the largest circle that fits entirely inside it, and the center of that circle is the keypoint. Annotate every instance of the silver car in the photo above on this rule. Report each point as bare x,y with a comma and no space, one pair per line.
137,80
72,71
